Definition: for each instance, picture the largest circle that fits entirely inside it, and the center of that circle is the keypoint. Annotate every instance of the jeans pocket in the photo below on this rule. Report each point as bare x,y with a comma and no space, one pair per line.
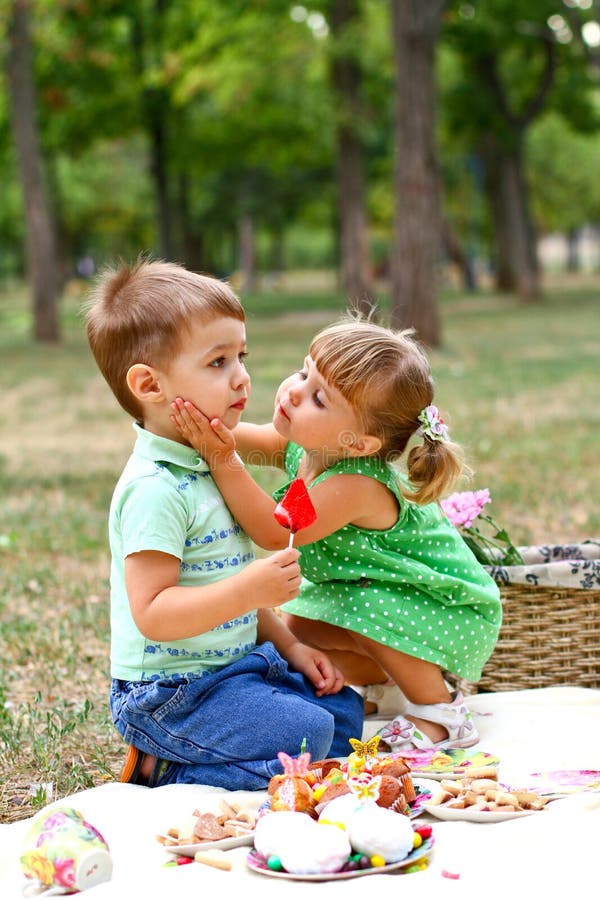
156,698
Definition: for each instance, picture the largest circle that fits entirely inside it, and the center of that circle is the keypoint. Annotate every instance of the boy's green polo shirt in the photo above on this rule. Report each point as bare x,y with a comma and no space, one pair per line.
167,500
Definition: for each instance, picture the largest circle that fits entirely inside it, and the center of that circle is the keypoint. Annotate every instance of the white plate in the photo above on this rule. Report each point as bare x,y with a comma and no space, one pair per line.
224,844
475,815
256,862
426,785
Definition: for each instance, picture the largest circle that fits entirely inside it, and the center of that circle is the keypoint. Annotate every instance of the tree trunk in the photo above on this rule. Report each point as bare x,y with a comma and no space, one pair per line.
156,111
246,252
573,246
515,252
42,268
158,170
190,244
459,256
346,80
417,219
277,250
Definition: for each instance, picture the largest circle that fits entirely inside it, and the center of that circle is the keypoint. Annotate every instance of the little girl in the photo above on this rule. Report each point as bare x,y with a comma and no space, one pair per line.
390,590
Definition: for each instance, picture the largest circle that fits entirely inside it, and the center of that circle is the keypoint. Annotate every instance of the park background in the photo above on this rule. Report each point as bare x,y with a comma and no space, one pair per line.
432,163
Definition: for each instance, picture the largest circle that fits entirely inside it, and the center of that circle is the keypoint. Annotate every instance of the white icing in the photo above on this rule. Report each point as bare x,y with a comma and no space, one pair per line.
345,826
340,810
275,830
375,831
324,848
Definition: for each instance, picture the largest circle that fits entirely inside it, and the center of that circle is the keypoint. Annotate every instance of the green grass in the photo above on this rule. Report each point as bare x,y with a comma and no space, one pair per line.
518,386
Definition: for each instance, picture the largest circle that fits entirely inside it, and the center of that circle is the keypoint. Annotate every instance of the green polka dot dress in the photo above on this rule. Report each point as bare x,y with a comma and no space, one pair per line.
415,587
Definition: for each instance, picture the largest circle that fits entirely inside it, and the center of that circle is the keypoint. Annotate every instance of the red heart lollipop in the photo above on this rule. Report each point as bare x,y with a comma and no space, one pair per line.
295,509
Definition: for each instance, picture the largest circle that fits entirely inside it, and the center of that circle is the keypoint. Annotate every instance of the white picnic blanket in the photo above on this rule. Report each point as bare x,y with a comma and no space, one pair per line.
531,731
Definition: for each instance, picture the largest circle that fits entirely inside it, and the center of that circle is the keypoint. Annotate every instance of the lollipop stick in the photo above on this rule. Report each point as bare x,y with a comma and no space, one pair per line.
291,540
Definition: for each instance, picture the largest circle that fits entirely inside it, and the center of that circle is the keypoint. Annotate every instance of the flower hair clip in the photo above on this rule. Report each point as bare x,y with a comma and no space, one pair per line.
432,424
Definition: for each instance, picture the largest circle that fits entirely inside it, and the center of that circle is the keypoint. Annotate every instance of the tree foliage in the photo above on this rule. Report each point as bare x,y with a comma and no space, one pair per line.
513,62
170,124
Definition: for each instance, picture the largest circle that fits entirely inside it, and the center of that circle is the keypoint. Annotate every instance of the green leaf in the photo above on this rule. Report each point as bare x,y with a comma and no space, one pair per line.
512,557
477,551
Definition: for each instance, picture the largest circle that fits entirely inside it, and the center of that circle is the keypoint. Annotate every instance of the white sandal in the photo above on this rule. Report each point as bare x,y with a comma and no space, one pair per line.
401,734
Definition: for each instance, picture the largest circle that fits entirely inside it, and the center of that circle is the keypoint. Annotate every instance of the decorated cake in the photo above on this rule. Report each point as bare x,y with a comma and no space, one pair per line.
330,816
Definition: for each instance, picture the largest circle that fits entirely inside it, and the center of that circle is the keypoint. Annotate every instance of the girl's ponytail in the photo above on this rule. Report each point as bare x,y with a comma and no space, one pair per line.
433,468
435,465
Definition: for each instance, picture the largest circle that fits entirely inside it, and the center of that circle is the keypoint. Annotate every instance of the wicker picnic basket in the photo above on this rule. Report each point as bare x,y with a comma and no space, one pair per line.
550,632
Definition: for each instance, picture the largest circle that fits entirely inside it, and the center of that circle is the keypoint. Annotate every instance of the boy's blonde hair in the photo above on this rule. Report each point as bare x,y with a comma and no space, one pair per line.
139,314
385,376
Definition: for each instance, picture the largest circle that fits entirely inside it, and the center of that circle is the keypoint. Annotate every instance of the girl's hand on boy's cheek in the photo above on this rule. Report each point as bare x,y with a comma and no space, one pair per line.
223,434
210,437
191,424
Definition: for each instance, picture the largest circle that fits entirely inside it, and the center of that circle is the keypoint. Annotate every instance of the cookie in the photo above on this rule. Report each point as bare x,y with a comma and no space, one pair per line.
216,858
207,828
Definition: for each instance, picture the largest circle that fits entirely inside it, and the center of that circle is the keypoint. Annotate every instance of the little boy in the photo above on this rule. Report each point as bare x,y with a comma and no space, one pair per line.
201,688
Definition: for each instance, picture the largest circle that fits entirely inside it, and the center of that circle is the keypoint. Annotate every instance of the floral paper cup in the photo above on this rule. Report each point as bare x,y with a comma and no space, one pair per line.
63,853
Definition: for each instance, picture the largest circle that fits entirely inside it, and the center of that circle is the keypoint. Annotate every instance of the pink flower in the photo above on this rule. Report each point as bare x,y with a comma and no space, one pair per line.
398,730
463,508
64,872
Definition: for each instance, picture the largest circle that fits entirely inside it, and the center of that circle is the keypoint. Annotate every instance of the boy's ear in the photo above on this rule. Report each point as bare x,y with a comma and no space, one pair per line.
363,445
142,381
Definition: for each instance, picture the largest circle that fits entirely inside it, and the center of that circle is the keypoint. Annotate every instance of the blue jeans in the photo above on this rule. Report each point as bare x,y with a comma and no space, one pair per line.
226,728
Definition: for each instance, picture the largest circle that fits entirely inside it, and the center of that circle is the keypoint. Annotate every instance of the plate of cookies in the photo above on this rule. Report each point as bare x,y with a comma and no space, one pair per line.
473,814
231,825
479,797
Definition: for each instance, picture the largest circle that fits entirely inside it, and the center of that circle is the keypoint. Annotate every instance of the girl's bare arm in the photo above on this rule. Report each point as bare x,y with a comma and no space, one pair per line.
338,500
259,445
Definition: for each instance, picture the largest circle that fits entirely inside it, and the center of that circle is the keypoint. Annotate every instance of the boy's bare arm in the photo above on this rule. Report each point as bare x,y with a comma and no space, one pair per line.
164,610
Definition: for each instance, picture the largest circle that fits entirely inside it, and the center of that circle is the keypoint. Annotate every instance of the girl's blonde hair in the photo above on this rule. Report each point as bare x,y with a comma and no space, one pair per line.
140,313
385,376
